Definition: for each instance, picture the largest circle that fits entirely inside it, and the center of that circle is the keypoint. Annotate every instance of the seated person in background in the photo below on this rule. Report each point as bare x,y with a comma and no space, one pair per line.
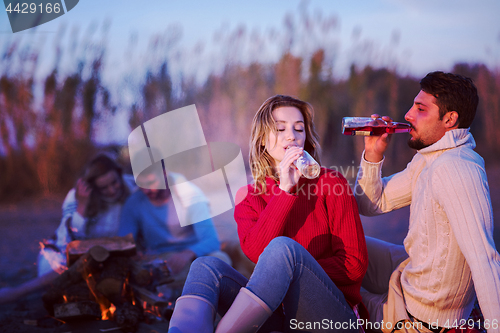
91,209
151,217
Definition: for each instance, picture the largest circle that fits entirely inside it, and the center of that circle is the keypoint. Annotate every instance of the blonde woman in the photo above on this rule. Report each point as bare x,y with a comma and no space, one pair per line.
304,235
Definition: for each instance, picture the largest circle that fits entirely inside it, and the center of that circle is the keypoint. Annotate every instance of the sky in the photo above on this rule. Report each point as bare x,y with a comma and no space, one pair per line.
421,35
197,37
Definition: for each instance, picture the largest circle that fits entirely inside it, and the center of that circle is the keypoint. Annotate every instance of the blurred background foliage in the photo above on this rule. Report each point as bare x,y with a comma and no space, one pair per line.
49,123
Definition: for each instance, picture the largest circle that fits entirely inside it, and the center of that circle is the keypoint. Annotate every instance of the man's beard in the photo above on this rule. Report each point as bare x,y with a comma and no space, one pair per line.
417,144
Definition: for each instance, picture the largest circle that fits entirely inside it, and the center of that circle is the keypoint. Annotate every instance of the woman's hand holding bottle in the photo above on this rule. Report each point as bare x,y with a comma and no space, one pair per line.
288,172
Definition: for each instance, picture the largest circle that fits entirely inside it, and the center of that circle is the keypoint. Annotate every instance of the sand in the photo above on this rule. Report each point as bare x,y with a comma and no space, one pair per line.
24,225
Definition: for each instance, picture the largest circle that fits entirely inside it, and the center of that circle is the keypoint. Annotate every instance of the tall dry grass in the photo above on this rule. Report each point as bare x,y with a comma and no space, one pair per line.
46,139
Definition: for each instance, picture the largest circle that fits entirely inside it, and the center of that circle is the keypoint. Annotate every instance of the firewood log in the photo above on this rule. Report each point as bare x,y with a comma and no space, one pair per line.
124,246
128,316
87,265
111,282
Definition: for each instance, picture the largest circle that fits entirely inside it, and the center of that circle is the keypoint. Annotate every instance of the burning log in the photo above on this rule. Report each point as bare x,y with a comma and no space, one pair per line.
85,259
102,272
140,274
111,282
152,301
124,246
77,310
74,278
128,316
149,297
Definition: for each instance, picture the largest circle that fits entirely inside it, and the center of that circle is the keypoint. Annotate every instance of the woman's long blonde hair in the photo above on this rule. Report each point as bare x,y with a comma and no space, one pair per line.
261,163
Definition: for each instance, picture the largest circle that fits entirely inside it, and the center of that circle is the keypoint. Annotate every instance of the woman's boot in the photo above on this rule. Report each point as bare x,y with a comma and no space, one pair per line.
246,315
192,314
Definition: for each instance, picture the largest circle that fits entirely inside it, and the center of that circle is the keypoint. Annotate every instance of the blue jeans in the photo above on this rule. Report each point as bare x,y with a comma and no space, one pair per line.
285,274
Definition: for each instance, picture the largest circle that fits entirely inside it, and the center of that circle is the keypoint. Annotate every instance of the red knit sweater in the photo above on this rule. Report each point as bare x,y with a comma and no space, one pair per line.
321,215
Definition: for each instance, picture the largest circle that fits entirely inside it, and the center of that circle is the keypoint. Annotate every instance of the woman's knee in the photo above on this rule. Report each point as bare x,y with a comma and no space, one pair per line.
283,243
284,247
208,263
202,262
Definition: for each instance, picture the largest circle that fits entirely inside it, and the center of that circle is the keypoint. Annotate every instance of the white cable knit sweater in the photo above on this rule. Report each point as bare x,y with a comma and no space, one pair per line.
450,236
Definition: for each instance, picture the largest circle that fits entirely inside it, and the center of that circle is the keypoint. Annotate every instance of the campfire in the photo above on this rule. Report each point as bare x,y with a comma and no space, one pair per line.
106,281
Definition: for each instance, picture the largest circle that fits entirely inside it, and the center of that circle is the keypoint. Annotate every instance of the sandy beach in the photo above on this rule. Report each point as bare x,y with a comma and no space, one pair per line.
25,224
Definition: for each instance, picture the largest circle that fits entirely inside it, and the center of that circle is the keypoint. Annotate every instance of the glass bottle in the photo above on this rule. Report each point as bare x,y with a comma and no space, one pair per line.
372,127
307,165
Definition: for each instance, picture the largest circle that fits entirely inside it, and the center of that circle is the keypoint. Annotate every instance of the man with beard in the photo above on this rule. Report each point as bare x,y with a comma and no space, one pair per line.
449,256
153,219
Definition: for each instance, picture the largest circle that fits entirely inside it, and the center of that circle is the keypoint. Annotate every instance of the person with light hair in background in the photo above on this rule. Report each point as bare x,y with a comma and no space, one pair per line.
91,209
304,235
449,256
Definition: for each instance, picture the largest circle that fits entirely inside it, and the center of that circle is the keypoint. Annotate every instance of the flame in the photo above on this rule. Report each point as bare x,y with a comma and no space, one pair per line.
107,308
152,310
124,287
132,295
107,314
127,291
65,299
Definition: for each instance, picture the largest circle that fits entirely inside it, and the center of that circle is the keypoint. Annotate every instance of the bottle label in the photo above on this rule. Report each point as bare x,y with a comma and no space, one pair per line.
365,133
